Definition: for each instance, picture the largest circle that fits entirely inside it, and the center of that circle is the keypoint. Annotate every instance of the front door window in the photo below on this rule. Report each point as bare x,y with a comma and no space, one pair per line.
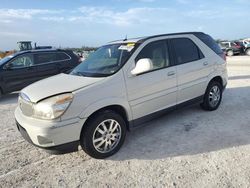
22,62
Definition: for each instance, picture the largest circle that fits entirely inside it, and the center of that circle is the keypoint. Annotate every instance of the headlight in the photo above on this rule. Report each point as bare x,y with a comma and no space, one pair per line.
53,107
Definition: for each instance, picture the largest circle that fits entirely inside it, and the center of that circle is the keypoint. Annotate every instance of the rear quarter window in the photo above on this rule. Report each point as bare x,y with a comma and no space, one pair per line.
210,42
61,56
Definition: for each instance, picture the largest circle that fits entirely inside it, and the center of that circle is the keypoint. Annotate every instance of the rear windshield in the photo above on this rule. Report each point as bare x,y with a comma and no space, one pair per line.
210,42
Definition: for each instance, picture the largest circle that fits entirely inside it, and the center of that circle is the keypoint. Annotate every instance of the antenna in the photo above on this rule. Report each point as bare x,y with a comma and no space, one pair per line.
126,38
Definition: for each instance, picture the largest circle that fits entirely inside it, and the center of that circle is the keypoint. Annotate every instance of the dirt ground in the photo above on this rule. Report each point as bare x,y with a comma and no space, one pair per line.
186,148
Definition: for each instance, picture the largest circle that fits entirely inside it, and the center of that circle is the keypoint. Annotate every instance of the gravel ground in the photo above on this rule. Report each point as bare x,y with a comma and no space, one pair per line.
186,148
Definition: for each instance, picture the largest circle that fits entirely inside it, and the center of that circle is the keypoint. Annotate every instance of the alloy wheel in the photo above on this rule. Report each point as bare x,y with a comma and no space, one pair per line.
214,96
230,53
107,136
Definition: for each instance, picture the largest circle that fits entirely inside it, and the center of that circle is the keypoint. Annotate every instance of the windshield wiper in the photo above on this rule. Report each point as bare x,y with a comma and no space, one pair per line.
77,73
89,74
95,74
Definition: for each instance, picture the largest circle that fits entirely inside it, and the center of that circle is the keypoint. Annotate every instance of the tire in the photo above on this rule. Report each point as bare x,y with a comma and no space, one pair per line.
212,97
108,129
230,53
248,51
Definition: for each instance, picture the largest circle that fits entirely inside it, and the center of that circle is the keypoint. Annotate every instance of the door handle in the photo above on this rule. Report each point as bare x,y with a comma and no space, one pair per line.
205,63
171,73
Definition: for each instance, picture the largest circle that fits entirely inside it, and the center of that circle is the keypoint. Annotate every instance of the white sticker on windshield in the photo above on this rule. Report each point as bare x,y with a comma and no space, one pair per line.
127,47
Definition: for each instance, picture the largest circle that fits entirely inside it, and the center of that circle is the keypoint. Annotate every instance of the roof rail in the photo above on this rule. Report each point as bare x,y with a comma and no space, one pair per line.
141,39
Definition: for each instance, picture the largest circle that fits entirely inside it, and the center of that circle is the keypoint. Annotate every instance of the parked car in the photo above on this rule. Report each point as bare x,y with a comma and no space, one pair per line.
242,46
119,87
246,42
247,47
23,68
230,48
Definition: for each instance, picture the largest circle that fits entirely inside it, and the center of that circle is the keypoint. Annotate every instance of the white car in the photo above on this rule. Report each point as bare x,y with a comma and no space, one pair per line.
246,43
118,88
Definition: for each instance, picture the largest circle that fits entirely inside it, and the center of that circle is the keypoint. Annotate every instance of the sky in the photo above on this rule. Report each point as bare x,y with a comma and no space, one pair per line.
76,23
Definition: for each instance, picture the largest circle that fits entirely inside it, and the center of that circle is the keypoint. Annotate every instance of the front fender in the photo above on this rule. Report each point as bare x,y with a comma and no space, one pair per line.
105,103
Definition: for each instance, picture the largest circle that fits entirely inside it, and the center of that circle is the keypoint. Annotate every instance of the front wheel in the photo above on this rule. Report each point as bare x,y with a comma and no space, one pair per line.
103,135
230,53
212,97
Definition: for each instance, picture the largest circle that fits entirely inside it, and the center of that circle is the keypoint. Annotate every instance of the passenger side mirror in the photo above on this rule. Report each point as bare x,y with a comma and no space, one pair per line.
143,65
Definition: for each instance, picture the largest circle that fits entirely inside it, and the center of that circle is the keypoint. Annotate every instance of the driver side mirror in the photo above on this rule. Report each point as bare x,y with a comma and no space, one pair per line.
143,65
8,66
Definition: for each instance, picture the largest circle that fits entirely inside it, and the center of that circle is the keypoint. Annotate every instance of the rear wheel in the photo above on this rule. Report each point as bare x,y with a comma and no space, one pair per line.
103,135
212,97
230,53
248,51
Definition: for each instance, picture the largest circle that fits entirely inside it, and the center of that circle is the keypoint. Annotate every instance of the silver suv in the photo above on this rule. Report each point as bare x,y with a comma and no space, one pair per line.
119,87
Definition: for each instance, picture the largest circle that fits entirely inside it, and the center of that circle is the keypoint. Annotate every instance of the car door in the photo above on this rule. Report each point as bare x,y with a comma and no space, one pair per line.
18,72
234,47
46,64
154,90
193,69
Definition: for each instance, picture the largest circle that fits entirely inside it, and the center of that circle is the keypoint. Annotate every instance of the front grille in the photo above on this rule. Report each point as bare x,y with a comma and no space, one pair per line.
26,107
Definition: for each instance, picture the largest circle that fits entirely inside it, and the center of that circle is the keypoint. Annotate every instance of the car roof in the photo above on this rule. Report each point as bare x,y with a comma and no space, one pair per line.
142,39
39,50
44,50
131,40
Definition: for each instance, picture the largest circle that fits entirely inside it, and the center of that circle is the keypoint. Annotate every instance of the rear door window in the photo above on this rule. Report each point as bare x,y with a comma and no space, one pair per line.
223,45
226,44
233,44
43,58
186,50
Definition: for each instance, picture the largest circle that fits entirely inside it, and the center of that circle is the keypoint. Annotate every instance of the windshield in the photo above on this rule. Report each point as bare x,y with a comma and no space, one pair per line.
5,59
105,61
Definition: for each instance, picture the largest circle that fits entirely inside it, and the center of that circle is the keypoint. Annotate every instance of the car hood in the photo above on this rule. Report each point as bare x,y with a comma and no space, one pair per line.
61,83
